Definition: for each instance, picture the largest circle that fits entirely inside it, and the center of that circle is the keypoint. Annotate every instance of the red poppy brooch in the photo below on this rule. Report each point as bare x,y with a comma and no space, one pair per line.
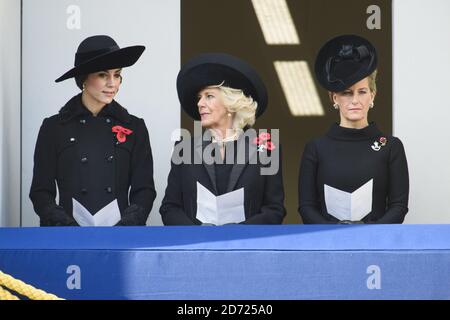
263,142
378,144
121,133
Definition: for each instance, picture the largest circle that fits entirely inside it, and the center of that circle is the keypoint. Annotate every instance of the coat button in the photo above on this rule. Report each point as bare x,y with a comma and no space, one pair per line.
108,189
108,120
84,191
84,159
82,121
110,158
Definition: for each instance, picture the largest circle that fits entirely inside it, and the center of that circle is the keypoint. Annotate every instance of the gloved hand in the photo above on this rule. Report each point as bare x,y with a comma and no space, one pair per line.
56,216
134,215
350,222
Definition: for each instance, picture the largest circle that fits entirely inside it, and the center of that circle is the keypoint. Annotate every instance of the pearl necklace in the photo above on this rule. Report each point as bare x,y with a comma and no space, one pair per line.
222,142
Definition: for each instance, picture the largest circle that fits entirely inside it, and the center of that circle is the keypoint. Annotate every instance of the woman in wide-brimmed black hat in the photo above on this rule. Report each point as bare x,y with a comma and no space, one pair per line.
355,173
93,150
225,95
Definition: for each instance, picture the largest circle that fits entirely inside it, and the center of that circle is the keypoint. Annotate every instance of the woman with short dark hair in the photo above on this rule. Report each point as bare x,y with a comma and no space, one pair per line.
93,150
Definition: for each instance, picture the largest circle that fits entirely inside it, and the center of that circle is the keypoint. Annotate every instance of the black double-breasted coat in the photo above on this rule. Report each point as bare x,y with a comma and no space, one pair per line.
263,194
80,155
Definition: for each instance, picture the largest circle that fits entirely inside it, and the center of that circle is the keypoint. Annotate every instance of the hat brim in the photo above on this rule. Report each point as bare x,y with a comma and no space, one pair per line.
213,69
120,58
356,71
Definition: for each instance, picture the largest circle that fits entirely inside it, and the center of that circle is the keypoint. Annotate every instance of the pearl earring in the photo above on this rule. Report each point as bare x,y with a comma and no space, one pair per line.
229,114
371,105
336,106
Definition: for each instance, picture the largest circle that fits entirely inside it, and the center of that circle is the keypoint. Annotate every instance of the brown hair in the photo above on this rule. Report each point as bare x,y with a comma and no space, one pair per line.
372,84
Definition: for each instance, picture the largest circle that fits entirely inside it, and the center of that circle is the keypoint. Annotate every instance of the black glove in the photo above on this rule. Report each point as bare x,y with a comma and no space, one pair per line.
56,216
350,222
134,215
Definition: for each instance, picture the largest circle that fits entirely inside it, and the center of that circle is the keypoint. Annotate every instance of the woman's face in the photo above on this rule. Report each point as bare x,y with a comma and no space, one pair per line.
101,87
213,113
354,103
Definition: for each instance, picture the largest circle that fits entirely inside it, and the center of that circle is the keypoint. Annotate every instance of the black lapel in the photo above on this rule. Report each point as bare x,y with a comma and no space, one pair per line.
115,110
199,145
242,145
72,109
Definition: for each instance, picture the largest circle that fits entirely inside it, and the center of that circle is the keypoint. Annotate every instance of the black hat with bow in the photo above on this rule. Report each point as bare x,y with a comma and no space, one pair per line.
343,61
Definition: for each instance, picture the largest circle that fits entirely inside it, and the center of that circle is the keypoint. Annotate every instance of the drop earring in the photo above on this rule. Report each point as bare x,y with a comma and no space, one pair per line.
371,105
336,106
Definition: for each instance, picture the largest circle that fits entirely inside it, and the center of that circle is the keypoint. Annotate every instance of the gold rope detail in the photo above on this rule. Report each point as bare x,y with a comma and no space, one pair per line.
6,295
24,289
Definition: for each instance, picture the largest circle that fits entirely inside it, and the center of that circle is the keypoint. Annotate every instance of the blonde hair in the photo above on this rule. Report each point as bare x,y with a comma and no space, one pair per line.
236,102
372,78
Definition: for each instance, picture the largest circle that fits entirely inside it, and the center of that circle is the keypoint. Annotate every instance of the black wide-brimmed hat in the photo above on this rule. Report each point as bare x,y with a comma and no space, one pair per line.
210,69
343,61
99,53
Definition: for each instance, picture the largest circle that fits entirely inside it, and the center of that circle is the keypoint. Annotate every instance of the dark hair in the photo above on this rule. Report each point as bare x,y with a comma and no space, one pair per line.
79,80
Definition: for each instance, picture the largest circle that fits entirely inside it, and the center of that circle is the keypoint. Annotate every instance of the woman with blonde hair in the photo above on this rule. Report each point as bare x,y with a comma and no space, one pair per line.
226,95
355,173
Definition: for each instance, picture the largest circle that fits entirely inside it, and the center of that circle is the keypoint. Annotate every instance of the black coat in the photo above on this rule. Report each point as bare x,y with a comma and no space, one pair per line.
347,159
263,194
81,154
